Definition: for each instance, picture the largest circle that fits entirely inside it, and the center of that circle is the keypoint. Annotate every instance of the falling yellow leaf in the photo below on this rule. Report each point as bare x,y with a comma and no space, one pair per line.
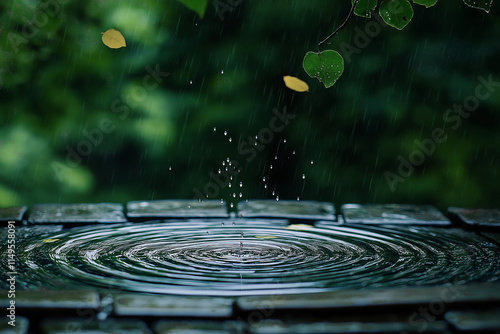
299,227
295,84
113,39
265,236
50,240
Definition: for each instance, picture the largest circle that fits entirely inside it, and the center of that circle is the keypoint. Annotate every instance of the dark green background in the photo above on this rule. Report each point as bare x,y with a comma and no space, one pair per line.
62,80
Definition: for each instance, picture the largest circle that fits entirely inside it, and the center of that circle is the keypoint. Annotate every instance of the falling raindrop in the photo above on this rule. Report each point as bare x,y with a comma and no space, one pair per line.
312,162
215,129
241,184
303,176
222,72
225,133
190,82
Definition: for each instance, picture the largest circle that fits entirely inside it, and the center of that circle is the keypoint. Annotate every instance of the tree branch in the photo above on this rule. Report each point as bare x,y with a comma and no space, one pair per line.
341,26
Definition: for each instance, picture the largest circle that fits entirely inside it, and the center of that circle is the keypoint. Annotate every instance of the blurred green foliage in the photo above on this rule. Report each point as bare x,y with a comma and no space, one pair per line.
58,82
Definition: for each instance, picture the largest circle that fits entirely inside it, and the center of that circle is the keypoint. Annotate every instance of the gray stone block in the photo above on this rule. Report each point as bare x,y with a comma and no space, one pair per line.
399,214
474,320
172,306
15,213
77,213
480,218
144,210
299,210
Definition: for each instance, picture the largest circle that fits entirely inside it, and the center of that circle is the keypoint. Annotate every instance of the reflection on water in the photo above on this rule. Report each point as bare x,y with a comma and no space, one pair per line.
210,258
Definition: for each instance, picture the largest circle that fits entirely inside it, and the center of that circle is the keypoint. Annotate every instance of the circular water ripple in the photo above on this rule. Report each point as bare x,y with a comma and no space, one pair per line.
205,258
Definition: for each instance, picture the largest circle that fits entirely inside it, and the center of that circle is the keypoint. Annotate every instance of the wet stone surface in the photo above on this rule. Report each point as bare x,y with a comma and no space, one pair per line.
172,306
86,326
487,218
144,210
278,326
12,214
375,298
77,213
53,299
198,327
474,320
400,214
299,210
21,326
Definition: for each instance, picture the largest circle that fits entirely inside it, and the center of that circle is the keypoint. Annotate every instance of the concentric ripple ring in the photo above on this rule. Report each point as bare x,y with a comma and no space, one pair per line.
252,258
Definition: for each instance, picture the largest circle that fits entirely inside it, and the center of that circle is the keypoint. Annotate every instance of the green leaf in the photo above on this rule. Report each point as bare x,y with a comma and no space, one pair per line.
396,13
480,4
199,6
364,7
327,66
426,3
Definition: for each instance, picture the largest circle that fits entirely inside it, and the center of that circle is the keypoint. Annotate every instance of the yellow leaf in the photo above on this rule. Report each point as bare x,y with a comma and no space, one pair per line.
265,236
50,240
299,227
295,84
113,39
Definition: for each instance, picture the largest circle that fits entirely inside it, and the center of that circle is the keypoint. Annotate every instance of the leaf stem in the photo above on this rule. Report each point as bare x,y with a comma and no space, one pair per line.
341,26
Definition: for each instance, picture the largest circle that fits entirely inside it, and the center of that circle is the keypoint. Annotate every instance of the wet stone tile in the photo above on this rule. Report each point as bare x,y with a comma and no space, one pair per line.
21,326
474,320
198,327
15,213
77,213
86,326
299,210
375,298
172,306
144,210
278,326
481,218
399,214
53,300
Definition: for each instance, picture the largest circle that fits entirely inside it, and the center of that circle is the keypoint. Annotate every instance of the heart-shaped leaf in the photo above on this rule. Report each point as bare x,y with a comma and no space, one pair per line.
480,4
327,66
198,6
364,7
396,13
426,3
